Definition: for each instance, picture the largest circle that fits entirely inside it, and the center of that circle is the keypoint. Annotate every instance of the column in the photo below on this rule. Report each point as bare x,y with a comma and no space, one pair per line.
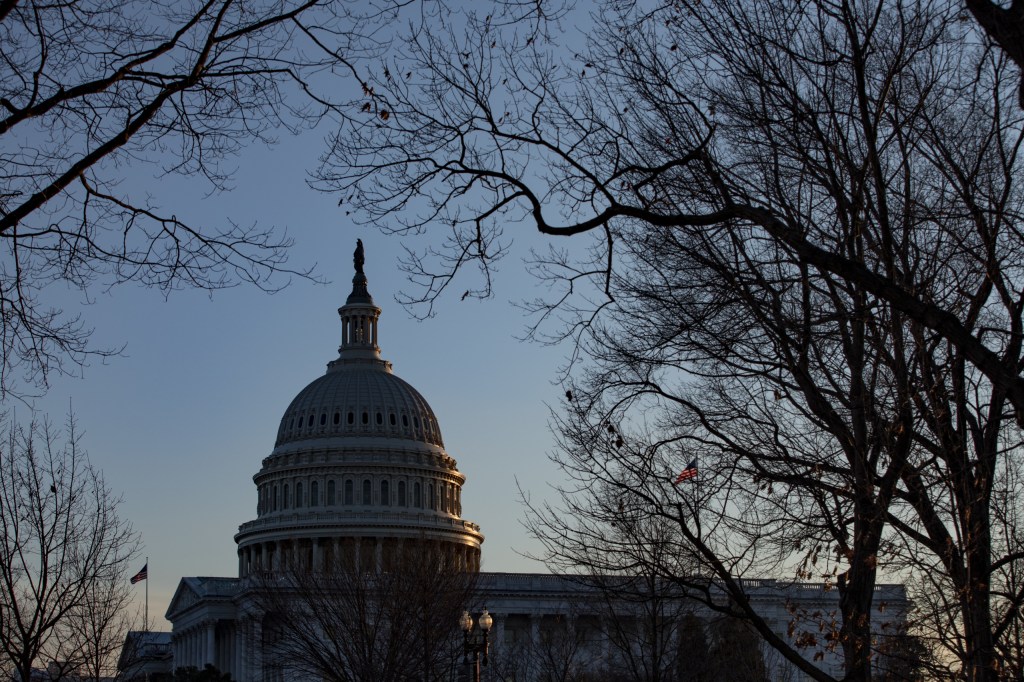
236,667
605,639
499,629
256,650
209,653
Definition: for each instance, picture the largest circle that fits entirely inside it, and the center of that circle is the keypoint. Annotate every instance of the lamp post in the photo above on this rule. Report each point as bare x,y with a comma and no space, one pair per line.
475,642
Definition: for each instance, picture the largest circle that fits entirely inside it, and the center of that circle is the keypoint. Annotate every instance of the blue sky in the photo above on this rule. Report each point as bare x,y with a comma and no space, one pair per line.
180,423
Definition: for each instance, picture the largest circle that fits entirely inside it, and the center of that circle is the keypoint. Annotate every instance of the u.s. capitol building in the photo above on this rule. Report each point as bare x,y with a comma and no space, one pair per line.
359,479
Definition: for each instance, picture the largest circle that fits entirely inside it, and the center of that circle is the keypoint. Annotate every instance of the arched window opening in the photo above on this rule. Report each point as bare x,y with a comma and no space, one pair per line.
275,498
330,493
392,420
337,418
314,494
323,419
380,419
405,420
298,495
351,417
431,500
348,492
401,493
284,496
385,494
311,418
417,495
367,491
366,417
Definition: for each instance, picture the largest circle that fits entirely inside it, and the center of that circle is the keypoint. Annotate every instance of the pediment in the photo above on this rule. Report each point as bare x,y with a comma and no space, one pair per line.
185,596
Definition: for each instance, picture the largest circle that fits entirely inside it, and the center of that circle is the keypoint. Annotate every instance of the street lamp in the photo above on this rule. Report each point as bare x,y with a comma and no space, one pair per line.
475,642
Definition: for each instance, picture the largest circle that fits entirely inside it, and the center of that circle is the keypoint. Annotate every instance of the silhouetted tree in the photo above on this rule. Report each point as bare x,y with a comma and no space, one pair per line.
209,673
735,652
65,556
1004,24
804,270
93,90
350,622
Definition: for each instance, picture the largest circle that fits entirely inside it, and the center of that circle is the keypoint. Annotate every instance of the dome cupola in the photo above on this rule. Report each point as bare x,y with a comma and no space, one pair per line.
359,394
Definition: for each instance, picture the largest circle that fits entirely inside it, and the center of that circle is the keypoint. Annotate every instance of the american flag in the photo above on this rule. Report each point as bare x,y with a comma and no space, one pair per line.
686,474
141,575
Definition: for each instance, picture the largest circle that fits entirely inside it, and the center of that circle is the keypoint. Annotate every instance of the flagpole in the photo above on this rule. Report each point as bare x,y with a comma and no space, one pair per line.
147,594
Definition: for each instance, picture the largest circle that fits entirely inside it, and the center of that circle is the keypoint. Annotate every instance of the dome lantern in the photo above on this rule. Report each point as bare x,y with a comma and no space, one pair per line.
359,318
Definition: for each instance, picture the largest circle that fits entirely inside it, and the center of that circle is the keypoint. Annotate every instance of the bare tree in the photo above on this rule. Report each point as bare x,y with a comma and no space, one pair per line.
1005,26
93,90
509,133
804,270
65,555
349,622
98,628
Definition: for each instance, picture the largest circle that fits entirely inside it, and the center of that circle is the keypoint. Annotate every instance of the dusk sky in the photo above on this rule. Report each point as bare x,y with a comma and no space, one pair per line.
180,423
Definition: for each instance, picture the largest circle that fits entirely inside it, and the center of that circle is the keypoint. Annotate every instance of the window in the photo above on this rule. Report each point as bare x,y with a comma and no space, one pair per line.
391,418
348,492
385,494
401,492
311,417
330,493
298,495
367,494
380,419
351,417
337,418
431,500
366,417
291,423
415,421
284,495
323,419
275,498
405,420
314,494
417,497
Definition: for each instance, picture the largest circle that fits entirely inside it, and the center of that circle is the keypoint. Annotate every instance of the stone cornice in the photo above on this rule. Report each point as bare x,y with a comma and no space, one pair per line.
356,523
357,469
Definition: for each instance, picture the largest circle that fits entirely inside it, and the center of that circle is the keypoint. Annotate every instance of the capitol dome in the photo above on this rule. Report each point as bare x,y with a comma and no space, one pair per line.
358,471
359,399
